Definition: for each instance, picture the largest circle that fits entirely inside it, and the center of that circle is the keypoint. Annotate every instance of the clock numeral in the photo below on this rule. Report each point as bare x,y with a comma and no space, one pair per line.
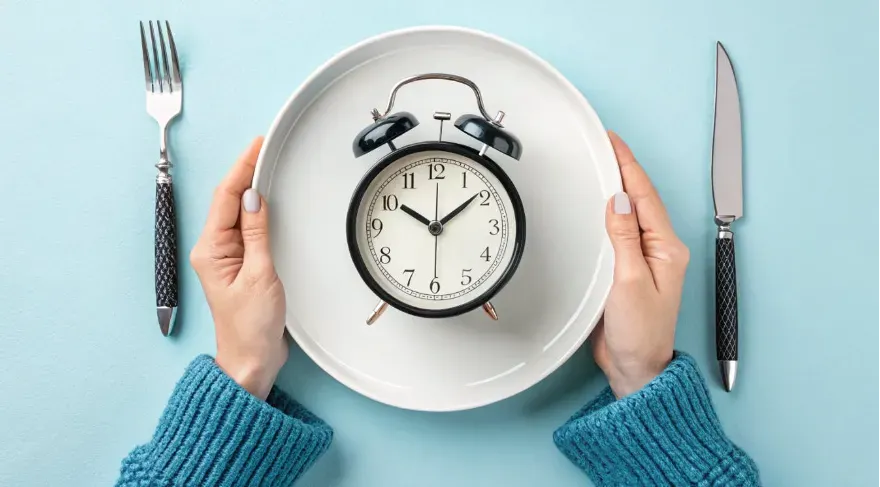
411,273
495,229
484,255
435,286
465,278
485,194
435,171
409,180
464,179
389,202
376,225
385,258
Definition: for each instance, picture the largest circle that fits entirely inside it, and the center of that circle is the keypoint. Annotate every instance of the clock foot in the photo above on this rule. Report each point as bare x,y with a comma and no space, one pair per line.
490,310
377,312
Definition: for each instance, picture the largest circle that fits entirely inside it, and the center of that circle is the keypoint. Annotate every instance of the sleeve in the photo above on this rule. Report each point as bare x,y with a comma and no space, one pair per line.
665,434
213,432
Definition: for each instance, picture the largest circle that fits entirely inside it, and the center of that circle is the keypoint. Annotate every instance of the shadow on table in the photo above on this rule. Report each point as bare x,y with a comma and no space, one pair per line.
575,382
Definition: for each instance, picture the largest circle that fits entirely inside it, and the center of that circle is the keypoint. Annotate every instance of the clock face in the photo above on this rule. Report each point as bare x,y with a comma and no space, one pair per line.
435,229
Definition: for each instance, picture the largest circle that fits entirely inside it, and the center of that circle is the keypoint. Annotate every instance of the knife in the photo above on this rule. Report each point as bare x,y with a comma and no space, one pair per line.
728,195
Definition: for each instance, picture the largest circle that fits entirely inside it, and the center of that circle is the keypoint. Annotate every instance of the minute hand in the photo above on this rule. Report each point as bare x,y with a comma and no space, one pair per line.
456,211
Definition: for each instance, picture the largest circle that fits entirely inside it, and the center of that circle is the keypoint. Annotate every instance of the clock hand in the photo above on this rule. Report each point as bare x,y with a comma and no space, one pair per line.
458,210
409,211
437,202
436,210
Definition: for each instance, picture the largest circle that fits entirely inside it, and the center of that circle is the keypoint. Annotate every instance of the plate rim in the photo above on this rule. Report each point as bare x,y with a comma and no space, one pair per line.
606,257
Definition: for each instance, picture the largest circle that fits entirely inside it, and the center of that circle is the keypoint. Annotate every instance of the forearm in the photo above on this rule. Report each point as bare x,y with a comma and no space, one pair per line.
667,433
213,430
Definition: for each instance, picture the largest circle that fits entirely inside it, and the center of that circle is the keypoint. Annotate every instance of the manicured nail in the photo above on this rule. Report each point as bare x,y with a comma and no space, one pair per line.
622,206
251,201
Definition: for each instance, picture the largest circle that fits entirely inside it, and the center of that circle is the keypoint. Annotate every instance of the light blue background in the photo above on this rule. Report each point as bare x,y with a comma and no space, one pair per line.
85,372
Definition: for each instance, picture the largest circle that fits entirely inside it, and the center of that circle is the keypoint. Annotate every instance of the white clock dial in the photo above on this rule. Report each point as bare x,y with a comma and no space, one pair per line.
436,230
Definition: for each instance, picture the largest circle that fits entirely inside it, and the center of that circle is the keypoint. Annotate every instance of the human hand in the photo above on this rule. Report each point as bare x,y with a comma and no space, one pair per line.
634,343
234,263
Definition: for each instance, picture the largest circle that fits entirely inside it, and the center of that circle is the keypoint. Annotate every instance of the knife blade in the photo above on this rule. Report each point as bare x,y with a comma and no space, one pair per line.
727,193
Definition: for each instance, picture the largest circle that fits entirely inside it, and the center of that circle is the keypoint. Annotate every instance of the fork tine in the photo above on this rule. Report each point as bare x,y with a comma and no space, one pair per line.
147,76
175,65
156,70
166,76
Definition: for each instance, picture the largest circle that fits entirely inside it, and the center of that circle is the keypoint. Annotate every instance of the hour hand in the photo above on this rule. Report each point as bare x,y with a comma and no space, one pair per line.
458,210
409,211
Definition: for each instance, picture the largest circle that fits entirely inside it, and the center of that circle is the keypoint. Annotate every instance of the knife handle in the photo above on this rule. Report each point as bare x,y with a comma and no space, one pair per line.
165,245
726,320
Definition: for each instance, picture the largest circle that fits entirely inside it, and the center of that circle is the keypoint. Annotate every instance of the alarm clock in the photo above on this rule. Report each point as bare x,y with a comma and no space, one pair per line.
436,228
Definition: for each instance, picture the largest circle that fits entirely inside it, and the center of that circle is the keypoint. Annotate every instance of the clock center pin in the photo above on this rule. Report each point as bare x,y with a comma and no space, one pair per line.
435,228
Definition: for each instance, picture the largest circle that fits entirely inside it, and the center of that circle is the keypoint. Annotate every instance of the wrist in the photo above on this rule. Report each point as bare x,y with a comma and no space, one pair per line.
252,376
624,386
629,380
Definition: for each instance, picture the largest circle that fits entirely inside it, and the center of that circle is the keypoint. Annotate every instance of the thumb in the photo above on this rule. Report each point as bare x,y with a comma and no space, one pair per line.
622,226
254,222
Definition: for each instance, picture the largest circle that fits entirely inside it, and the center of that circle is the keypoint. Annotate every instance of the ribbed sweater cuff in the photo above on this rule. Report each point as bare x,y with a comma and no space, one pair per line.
665,434
213,432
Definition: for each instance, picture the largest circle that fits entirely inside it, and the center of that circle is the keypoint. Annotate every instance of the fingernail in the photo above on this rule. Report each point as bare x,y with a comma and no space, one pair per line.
251,201
622,206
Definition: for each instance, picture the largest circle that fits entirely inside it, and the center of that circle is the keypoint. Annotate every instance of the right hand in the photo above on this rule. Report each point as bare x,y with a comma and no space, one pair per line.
634,343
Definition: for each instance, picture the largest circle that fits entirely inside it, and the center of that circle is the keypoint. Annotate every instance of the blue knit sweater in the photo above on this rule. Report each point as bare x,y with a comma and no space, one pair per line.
214,433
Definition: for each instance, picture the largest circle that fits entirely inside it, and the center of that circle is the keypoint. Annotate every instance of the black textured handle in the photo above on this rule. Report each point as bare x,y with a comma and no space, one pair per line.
726,322
166,247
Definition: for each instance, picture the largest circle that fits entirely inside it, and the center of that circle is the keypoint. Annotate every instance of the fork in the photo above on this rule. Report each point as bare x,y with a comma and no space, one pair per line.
164,100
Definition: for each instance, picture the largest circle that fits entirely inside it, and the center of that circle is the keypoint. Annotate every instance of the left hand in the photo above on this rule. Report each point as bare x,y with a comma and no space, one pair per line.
234,263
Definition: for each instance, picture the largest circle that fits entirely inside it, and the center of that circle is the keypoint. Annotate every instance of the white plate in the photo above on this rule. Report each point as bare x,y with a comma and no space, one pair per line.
567,172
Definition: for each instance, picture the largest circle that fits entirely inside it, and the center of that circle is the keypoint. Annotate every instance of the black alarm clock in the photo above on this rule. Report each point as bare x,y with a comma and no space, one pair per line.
436,228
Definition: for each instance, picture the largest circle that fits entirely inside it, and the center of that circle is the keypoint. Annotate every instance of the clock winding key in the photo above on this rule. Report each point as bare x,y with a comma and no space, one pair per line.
442,116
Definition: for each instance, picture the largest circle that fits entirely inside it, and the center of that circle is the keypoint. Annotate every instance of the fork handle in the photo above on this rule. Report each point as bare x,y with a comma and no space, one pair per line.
166,254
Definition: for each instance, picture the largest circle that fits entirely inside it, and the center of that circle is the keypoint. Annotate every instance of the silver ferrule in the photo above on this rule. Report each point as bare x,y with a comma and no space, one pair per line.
164,164
724,231
164,167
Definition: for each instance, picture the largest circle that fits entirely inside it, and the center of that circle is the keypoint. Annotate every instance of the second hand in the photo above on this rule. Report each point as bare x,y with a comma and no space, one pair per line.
436,212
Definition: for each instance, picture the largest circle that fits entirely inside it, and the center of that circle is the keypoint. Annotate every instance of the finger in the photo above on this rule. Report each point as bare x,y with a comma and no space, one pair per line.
668,260
255,232
622,225
226,206
652,213
667,256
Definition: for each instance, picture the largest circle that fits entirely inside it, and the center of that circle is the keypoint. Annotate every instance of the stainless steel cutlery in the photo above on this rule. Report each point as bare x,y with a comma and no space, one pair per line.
727,191
164,86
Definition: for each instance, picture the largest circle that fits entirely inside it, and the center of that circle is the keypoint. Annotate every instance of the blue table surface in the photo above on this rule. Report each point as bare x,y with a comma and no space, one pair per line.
85,372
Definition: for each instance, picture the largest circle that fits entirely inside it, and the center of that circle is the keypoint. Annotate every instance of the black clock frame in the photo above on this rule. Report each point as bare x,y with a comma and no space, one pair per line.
351,227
